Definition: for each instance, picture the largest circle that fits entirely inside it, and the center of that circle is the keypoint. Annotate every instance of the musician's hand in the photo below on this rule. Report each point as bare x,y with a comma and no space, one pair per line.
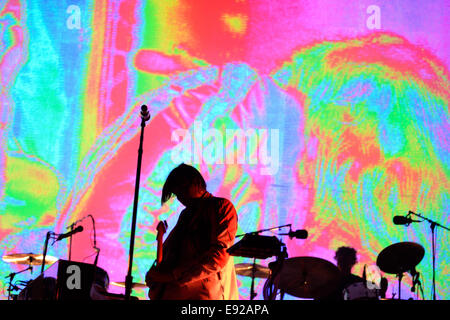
158,275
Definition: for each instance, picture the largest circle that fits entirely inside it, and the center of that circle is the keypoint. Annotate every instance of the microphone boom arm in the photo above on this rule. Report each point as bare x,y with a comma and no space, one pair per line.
429,220
264,230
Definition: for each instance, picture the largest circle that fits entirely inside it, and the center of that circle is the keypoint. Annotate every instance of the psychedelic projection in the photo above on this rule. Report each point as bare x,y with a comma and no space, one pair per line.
331,116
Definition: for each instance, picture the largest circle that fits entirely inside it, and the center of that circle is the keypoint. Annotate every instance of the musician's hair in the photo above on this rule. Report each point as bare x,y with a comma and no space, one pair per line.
182,174
346,253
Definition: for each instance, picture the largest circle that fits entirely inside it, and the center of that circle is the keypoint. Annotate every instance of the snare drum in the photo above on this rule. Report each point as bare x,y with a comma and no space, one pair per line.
360,291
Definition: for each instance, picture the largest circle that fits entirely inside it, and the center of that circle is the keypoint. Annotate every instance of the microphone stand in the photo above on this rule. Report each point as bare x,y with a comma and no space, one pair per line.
263,230
252,287
70,242
47,237
433,225
145,116
400,276
71,235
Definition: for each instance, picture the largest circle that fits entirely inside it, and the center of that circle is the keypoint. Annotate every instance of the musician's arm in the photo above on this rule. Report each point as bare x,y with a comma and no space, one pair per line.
160,273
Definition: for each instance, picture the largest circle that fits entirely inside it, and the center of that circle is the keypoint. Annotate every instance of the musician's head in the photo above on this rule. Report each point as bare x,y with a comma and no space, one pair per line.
185,182
345,258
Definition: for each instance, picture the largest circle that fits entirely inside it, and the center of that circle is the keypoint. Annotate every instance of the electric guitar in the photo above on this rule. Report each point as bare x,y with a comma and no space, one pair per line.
156,289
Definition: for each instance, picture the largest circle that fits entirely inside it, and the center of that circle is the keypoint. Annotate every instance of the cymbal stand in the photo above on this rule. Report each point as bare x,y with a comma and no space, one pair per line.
271,285
253,294
416,282
400,276
11,276
49,235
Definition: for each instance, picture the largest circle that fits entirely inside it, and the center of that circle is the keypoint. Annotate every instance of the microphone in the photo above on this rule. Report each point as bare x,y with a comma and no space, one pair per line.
401,220
70,233
145,115
299,234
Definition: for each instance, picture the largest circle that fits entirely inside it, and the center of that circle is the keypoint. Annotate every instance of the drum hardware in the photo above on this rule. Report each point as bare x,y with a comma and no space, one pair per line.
253,245
13,287
48,236
271,286
399,258
360,291
366,289
383,287
30,259
416,281
308,277
257,247
252,270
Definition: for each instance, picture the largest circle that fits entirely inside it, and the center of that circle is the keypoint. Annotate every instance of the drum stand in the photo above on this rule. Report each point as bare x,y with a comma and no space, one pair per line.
49,235
416,282
11,276
253,294
271,286
400,276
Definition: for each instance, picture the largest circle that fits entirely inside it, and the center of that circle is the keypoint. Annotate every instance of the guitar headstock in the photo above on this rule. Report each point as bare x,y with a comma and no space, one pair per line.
161,227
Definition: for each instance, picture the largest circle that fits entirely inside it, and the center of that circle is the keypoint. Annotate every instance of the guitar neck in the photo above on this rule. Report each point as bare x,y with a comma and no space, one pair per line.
159,249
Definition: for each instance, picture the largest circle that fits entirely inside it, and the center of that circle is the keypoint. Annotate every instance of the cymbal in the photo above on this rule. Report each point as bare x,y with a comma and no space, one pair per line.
134,285
308,277
31,259
400,257
246,269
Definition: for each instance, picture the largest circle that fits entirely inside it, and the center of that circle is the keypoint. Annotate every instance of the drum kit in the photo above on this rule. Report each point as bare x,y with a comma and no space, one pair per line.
316,278
302,277
30,259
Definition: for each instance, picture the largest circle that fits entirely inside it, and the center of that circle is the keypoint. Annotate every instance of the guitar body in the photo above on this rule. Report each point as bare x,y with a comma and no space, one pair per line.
156,290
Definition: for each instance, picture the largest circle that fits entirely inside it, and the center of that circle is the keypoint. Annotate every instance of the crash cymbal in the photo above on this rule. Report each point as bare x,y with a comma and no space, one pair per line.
134,285
400,257
308,277
31,259
246,269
